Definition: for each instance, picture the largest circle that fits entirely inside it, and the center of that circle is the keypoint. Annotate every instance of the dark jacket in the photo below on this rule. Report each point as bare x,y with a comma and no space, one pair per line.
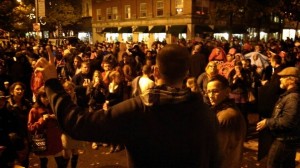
269,93
165,128
285,121
78,80
232,133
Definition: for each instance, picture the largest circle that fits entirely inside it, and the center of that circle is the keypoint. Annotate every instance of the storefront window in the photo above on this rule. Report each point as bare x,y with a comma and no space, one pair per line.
143,37
111,37
127,37
160,36
288,33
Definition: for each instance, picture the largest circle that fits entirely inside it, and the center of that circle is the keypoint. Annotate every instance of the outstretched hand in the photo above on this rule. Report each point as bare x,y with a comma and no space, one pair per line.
46,67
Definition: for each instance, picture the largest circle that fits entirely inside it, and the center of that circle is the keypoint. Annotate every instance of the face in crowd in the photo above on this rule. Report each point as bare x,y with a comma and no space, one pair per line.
216,92
17,90
85,68
211,68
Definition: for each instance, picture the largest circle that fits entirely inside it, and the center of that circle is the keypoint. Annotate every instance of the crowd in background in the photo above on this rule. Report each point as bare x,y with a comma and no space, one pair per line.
104,74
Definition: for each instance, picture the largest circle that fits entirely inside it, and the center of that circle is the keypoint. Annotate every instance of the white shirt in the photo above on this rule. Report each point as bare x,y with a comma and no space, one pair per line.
145,83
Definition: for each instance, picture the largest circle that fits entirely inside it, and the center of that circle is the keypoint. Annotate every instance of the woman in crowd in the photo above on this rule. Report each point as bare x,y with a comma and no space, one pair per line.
70,145
239,83
18,107
96,93
41,120
211,70
114,96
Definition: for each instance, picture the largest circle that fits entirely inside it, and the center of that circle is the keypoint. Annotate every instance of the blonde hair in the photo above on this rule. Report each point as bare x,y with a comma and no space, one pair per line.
211,63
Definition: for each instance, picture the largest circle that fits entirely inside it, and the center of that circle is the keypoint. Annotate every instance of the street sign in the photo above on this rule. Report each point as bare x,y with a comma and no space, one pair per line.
36,27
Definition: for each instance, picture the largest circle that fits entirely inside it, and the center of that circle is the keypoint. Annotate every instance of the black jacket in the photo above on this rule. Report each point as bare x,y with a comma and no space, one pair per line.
164,128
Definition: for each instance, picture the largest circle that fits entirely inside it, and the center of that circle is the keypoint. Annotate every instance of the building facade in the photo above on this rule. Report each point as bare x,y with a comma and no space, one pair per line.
148,20
171,20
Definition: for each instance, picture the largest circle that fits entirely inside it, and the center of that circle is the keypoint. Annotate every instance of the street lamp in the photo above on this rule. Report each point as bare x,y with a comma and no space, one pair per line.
36,11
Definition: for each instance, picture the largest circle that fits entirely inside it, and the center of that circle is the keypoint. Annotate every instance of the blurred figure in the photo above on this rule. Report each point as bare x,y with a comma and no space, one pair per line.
18,106
70,145
96,93
41,119
192,84
142,83
36,82
284,123
7,133
114,96
198,61
239,82
232,126
210,71
82,81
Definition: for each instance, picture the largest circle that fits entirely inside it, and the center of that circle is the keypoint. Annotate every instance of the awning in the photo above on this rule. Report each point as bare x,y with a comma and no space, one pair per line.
233,29
221,29
142,29
125,30
158,29
176,29
202,29
239,30
110,30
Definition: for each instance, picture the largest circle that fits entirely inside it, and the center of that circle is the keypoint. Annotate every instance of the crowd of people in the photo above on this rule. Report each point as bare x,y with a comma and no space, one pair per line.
105,81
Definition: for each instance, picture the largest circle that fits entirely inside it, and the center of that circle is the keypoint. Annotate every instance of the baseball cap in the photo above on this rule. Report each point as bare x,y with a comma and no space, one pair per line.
290,71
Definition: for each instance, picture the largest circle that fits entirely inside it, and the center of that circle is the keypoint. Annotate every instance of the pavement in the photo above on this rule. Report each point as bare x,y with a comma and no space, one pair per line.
100,159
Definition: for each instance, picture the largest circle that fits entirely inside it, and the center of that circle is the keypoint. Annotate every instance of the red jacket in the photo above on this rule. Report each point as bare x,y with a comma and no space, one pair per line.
36,124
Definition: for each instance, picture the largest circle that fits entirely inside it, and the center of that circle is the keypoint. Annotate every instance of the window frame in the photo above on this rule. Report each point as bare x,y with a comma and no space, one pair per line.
108,13
143,12
99,14
160,8
127,11
114,11
179,7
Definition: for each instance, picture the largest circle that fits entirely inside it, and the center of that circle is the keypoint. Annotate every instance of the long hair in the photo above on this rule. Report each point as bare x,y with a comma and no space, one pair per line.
12,87
41,93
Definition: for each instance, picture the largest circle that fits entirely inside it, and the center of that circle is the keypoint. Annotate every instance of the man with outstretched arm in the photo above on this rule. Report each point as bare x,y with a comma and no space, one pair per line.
165,127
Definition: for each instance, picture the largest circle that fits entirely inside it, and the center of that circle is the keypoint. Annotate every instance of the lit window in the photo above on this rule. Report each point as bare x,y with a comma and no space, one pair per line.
127,12
201,7
143,10
179,6
276,19
159,8
99,15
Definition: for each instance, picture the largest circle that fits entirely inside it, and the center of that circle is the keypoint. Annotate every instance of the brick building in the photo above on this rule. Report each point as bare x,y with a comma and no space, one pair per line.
148,20
171,20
